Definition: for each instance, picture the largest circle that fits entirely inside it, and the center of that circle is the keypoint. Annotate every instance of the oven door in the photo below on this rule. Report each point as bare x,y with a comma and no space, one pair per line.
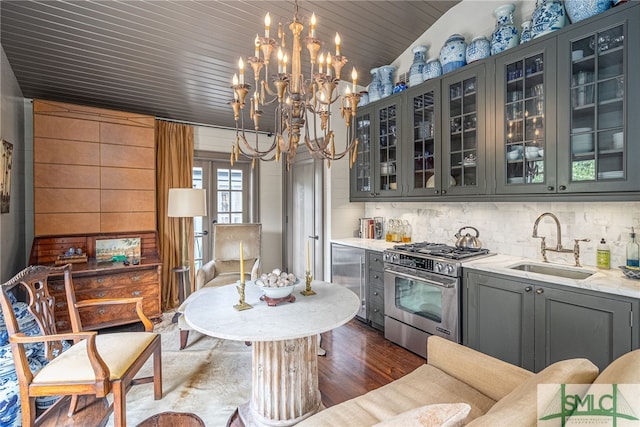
426,301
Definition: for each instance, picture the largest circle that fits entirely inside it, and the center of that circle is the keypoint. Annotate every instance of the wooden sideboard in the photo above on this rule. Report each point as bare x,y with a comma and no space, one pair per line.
94,279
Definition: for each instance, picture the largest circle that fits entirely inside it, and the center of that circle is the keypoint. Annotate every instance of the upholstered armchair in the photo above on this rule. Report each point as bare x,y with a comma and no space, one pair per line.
224,268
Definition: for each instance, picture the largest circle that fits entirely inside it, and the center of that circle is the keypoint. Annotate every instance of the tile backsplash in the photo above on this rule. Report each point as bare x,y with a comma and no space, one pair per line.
506,227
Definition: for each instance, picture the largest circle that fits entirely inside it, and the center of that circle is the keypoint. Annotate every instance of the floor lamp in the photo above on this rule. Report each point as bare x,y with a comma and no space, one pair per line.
185,203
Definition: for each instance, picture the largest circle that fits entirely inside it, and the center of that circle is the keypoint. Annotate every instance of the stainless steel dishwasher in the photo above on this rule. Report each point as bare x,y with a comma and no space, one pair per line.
347,268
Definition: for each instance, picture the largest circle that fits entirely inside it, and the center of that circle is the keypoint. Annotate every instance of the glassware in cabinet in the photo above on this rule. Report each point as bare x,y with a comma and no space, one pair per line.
423,167
388,149
597,147
463,141
362,168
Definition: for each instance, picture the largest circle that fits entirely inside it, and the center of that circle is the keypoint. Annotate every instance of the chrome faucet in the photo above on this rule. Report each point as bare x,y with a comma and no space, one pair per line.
558,248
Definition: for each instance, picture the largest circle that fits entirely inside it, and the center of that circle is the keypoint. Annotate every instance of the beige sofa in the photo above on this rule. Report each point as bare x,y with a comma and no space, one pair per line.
498,393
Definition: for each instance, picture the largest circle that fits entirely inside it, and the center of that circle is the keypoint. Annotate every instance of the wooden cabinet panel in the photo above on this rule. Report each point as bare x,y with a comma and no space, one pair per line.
127,201
67,223
56,200
65,176
127,221
127,135
79,147
45,126
133,179
48,150
127,156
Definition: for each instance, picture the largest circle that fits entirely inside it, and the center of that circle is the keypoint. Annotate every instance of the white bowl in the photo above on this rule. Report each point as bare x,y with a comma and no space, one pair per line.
541,152
531,152
582,143
618,140
276,292
514,154
516,180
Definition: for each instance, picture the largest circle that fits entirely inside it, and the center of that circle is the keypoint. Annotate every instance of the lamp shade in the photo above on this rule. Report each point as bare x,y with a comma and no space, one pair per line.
187,202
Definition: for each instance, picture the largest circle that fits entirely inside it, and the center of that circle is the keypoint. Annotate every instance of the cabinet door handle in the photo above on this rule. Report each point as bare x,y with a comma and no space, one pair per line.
102,311
100,279
375,293
375,276
527,289
437,191
444,191
136,293
375,310
135,278
101,294
562,187
550,188
539,291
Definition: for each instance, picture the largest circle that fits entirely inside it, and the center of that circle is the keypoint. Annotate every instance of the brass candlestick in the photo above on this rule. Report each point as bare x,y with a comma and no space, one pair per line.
242,304
308,291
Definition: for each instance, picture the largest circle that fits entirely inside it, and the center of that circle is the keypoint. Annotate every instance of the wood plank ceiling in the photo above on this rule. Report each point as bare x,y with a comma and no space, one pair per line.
174,59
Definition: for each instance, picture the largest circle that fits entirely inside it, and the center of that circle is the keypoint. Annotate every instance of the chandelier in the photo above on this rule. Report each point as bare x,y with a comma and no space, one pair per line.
302,104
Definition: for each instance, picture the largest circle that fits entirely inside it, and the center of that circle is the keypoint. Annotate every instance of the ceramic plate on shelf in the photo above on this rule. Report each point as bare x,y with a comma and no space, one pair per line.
431,182
611,174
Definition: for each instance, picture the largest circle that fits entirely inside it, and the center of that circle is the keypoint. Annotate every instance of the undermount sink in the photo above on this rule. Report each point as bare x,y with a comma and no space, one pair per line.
553,270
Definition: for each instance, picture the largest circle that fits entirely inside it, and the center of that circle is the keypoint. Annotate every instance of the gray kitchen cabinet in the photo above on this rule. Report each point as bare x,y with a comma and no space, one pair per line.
534,324
525,143
378,171
464,130
375,282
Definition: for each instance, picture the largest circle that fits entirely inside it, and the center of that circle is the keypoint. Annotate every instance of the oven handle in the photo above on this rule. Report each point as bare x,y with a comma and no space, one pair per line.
422,279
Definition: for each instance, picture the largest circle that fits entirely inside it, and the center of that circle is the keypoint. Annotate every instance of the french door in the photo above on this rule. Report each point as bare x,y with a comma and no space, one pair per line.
229,198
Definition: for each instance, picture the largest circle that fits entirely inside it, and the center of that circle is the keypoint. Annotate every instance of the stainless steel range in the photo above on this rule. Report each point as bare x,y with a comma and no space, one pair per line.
422,292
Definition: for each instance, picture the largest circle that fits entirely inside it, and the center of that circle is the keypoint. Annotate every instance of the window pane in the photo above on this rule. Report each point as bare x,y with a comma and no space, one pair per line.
236,179
236,218
223,218
236,201
223,201
197,177
223,179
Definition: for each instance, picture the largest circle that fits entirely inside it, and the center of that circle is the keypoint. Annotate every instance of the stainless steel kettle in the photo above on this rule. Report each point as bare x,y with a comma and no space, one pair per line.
468,241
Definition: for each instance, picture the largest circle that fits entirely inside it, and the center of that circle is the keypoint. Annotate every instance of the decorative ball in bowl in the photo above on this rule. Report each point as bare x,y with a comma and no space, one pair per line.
277,284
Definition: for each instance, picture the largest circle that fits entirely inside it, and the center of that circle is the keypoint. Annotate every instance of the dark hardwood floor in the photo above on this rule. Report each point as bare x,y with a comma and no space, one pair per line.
360,359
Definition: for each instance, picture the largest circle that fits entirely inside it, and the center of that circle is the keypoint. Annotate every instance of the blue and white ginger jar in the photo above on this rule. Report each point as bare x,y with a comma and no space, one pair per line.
453,53
525,33
417,67
375,88
385,74
432,69
479,48
505,36
583,9
548,16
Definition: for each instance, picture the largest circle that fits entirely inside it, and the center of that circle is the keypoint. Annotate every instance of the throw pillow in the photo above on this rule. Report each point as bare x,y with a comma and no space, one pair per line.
436,415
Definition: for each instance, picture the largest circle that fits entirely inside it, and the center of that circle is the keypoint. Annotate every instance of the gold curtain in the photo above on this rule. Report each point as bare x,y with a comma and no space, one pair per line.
174,163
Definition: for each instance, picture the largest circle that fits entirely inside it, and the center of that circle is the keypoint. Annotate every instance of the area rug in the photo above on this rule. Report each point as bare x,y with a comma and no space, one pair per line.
210,378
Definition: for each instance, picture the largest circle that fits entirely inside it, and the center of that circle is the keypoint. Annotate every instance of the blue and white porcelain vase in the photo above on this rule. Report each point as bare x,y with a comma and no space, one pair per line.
453,53
386,79
479,48
548,16
432,69
419,61
375,88
583,9
364,98
525,33
505,36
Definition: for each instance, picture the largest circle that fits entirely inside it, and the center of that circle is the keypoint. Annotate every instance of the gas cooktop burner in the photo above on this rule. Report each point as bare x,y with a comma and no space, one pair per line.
440,250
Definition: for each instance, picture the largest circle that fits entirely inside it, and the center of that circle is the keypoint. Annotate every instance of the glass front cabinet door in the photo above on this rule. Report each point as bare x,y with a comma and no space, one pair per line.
463,134
387,149
598,103
361,170
525,120
423,164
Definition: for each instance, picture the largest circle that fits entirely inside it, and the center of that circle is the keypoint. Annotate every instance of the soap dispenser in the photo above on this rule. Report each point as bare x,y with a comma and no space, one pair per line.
603,258
632,250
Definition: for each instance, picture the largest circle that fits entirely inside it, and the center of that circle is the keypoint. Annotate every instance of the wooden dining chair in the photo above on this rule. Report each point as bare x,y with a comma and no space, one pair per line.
95,364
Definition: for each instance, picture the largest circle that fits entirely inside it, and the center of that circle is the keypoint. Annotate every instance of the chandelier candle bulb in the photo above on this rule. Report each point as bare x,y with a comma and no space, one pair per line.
312,26
320,63
328,65
354,78
337,40
257,44
241,67
267,25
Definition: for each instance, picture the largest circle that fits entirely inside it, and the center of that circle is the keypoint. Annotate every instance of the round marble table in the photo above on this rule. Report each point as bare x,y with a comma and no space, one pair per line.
285,344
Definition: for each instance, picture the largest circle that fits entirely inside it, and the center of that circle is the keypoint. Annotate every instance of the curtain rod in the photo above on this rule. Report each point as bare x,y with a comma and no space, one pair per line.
186,122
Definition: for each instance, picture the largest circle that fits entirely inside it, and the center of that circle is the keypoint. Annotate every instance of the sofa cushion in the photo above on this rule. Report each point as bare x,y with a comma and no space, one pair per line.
492,377
624,370
520,406
436,415
425,385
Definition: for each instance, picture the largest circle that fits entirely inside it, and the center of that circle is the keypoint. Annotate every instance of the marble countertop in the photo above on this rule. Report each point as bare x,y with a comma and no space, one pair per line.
210,311
609,281
369,244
